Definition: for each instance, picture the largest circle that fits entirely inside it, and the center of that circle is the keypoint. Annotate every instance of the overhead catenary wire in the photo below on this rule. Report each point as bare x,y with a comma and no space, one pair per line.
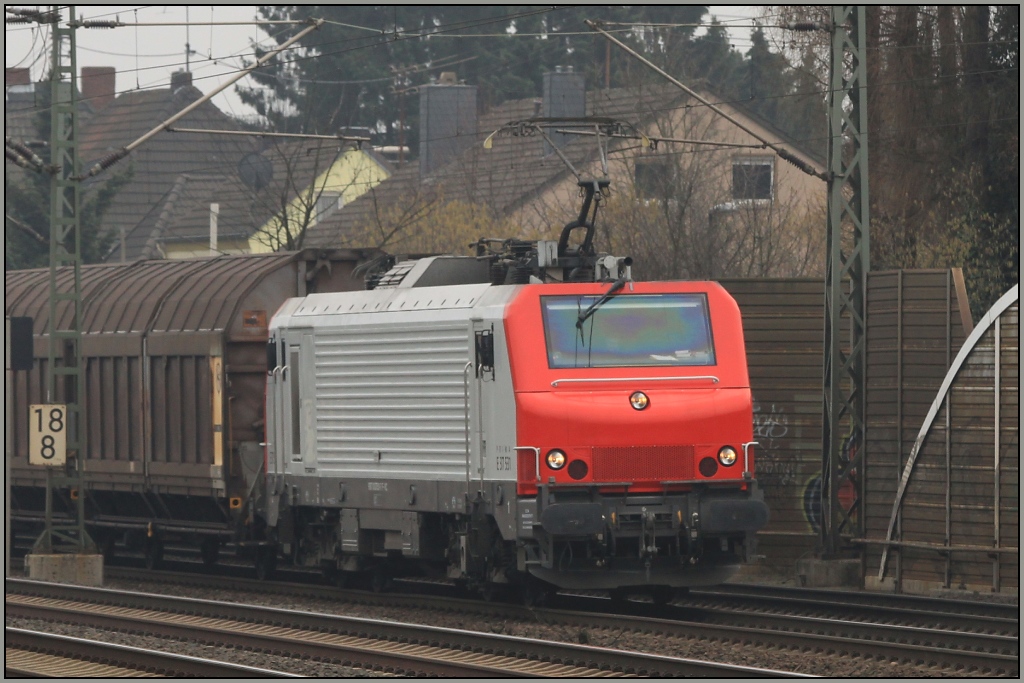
822,92
656,139
781,151
263,134
800,94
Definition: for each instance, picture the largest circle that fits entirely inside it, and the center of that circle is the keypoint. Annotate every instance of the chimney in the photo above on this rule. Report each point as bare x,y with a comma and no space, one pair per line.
180,79
16,76
98,86
565,95
448,121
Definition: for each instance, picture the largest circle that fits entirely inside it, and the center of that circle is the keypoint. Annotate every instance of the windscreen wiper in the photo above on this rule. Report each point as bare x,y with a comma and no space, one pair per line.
616,286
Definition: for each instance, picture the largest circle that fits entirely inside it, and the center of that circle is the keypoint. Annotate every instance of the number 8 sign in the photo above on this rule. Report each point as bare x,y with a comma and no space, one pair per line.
47,434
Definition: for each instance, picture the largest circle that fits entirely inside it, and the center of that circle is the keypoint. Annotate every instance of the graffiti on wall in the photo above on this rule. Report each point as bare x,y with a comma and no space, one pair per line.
847,489
771,426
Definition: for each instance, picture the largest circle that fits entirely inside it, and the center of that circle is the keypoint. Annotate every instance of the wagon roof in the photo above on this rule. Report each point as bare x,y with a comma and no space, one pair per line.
146,296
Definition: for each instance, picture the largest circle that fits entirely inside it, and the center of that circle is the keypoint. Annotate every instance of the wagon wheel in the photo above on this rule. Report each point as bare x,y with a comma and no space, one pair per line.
489,592
662,595
154,553
266,562
209,550
107,548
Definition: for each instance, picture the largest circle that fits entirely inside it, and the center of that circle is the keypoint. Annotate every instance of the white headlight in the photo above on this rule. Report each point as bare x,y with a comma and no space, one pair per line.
727,455
639,400
556,459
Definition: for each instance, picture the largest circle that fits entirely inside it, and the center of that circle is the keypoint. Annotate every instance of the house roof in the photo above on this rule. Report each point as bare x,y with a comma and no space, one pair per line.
22,107
514,170
157,166
183,214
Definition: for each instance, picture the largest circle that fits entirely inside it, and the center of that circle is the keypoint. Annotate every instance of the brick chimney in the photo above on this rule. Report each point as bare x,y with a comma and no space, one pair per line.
180,79
448,121
565,95
98,86
16,76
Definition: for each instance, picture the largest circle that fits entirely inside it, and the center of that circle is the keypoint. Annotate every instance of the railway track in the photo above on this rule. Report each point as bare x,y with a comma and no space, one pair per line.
392,647
969,615
961,636
32,654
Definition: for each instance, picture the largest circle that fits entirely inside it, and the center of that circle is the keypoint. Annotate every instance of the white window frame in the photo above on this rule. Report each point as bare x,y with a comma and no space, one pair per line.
768,161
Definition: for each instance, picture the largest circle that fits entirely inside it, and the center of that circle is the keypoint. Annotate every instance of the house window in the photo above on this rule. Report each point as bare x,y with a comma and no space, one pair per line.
326,204
650,178
752,178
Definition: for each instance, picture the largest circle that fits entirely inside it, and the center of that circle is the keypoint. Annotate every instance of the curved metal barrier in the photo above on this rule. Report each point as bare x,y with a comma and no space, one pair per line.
987,335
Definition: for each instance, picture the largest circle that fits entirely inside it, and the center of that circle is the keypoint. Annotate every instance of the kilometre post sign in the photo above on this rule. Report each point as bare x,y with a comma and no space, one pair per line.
47,434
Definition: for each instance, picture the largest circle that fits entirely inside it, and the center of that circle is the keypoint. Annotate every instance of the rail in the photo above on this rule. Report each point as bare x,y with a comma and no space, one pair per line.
46,655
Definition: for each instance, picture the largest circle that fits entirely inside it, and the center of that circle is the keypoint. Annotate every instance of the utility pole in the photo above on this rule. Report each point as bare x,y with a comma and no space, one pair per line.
64,358
847,258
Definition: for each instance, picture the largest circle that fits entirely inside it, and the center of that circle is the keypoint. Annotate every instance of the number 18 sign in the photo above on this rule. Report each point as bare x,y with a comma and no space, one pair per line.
47,434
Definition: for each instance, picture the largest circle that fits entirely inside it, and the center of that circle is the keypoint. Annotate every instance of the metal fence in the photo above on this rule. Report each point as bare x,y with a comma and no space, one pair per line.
943,479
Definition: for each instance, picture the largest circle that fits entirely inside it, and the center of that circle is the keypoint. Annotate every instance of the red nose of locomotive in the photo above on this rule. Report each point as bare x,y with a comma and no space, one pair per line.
651,390
649,434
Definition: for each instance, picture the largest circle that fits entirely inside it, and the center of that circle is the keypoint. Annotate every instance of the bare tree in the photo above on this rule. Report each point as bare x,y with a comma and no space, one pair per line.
301,194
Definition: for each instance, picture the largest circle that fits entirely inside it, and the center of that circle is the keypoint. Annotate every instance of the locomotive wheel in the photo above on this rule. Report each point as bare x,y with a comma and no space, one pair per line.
618,596
154,553
662,595
380,582
266,563
209,550
494,592
535,594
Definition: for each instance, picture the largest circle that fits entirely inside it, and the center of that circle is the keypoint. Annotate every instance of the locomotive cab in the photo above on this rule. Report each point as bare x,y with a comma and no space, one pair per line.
634,435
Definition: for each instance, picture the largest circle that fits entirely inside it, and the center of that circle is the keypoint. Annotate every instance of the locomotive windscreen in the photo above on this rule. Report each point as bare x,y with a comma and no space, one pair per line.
628,330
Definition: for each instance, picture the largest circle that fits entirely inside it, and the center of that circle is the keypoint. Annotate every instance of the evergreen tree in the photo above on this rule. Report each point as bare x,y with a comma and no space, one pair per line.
348,72
27,210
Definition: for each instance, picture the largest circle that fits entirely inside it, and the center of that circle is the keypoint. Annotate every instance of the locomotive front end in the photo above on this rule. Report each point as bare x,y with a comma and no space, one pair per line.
634,425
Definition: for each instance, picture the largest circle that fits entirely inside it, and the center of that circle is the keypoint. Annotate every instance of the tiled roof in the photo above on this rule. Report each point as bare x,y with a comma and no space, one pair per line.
157,166
510,174
21,114
183,215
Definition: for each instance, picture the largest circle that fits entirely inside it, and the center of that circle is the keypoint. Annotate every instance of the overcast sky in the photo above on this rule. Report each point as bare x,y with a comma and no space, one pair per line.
145,56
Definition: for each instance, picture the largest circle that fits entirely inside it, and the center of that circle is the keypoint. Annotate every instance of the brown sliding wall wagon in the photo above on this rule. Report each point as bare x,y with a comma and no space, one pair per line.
175,376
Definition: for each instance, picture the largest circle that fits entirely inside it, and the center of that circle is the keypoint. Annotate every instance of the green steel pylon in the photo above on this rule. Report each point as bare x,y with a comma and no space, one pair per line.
847,266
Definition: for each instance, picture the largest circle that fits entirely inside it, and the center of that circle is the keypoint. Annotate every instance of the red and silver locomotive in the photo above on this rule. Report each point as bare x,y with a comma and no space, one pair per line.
487,420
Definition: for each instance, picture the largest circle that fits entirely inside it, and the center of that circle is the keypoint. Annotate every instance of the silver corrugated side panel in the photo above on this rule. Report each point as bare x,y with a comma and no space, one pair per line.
391,400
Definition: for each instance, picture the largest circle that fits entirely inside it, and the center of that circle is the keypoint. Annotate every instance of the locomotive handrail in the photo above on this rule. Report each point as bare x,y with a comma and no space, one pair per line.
746,457
536,462
631,379
465,387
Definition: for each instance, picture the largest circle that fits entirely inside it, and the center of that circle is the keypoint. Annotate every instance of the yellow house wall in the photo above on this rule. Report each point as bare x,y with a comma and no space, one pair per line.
189,250
353,174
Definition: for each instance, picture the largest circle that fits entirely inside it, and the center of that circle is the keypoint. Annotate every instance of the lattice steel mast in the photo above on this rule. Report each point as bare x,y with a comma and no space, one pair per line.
843,442
65,341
